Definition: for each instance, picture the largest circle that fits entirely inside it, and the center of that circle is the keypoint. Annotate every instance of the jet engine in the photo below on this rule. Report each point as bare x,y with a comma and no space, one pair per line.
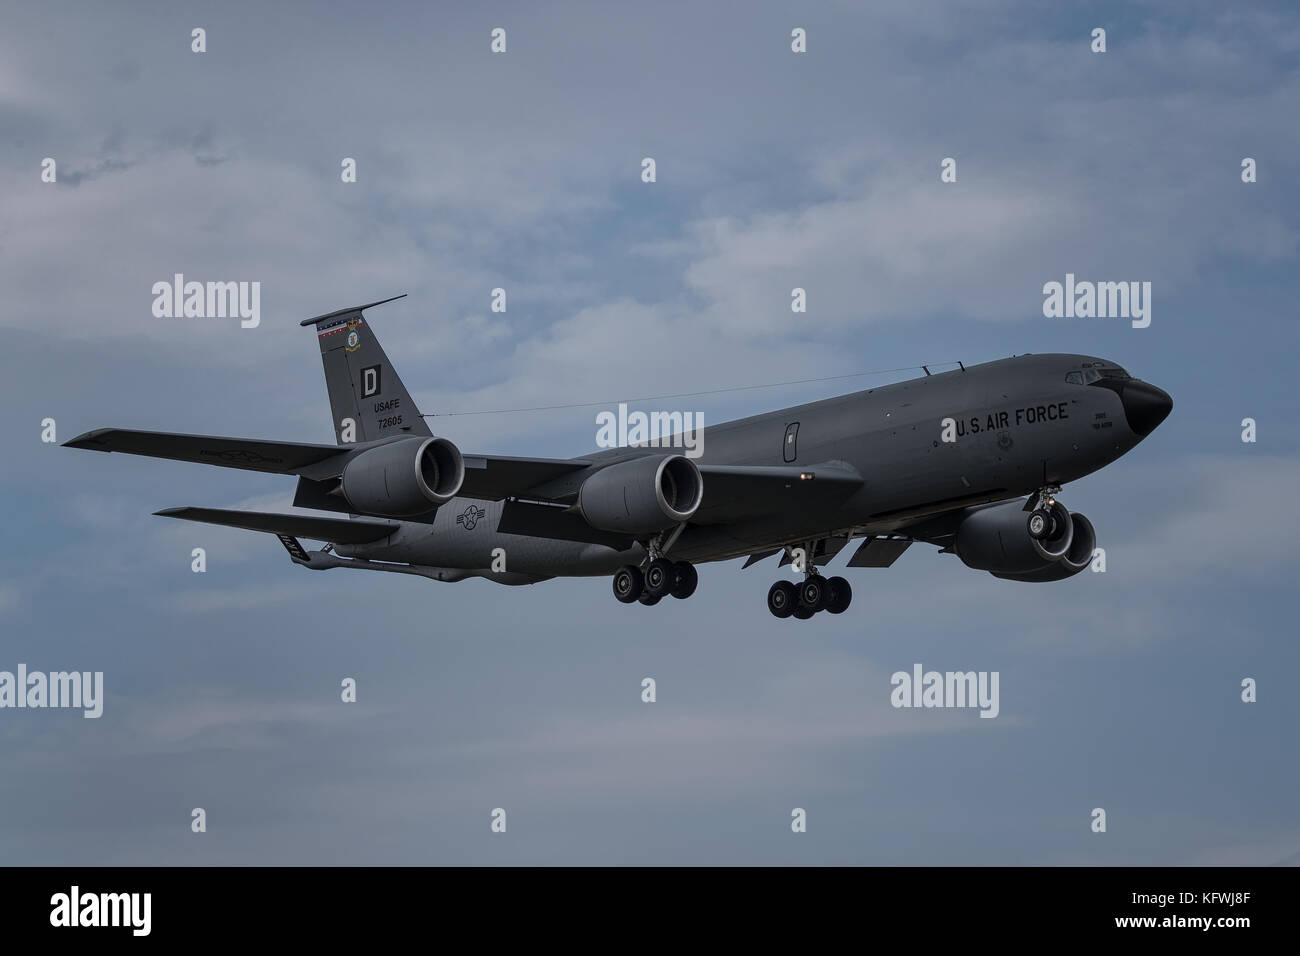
408,477
997,539
643,495
1077,557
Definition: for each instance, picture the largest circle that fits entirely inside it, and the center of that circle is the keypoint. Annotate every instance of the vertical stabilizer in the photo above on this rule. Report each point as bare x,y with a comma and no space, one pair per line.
367,398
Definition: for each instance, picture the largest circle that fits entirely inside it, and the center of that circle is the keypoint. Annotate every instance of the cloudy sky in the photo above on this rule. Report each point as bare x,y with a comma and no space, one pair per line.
522,170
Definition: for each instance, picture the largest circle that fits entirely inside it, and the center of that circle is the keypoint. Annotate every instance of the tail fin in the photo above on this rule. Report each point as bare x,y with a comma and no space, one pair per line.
367,399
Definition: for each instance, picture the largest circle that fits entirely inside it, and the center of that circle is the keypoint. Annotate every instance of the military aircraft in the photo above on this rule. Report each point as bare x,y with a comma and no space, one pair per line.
942,459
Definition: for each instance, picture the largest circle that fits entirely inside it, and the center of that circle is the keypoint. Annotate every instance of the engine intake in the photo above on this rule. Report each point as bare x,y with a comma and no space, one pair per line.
643,495
403,478
1078,557
997,539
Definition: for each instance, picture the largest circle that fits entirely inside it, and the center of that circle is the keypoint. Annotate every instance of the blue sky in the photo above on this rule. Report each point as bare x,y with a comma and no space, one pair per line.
821,170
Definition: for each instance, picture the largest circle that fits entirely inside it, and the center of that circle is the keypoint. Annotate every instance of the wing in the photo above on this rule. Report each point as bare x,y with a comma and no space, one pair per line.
734,492
731,493
275,457
490,477
494,477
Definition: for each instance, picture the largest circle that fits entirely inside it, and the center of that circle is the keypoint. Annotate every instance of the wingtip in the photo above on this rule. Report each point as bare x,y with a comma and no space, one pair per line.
91,440
170,512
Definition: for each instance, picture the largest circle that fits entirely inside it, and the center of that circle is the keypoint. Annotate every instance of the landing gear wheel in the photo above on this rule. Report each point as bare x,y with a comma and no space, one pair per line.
648,599
802,613
685,580
628,583
1040,524
840,596
782,599
813,593
659,577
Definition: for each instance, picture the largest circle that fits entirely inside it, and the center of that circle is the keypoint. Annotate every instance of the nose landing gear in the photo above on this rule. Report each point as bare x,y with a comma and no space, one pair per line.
1043,517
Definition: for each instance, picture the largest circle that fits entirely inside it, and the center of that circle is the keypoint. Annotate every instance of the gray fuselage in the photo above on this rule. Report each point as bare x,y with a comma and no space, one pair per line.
1019,424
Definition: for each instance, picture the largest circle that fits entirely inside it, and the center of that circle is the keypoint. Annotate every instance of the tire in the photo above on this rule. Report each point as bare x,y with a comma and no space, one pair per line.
1040,524
628,583
802,613
659,577
782,599
840,597
685,580
648,599
813,593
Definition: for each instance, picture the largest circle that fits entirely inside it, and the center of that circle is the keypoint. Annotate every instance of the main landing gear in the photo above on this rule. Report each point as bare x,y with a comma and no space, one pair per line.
659,579
816,593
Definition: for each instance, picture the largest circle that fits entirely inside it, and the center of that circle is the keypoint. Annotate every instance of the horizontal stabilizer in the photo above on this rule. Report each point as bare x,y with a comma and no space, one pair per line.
274,457
350,310
336,530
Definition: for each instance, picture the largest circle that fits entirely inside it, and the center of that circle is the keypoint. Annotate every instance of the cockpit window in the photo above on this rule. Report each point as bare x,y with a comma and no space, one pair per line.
1095,374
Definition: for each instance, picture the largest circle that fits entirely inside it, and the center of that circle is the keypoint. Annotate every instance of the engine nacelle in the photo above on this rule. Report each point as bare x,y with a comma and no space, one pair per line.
1075,559
997,539
643,495
404,478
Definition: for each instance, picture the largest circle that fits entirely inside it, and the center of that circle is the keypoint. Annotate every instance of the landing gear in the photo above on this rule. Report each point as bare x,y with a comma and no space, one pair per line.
685,580
660,578
815,593
812,593
840,596
782,598
628,583
1042,521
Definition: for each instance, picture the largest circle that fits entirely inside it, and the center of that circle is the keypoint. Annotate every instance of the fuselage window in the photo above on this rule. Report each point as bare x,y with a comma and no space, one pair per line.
1074,378
791,434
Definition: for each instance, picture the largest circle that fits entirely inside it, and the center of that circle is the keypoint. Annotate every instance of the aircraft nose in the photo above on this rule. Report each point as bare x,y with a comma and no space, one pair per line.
1145,406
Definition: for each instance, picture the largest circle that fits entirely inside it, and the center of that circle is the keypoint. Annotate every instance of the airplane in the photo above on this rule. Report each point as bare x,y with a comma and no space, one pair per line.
943,459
